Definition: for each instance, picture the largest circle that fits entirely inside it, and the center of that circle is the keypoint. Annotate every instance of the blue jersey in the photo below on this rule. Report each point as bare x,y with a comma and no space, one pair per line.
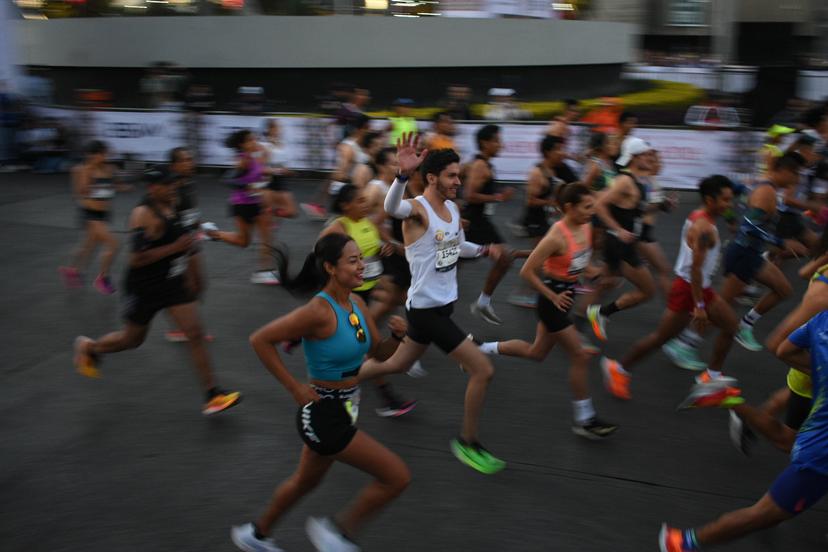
811,446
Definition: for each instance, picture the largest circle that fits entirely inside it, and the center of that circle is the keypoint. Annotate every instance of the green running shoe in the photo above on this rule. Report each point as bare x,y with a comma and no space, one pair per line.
683,355
744,337
476,457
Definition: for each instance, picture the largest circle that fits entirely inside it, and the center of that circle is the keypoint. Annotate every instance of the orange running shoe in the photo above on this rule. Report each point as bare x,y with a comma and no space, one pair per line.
220,401
597,321
616,380
85,363
671,540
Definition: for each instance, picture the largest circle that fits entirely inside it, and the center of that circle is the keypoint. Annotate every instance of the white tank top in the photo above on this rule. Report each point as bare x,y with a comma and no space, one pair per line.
433,260
360,157
684,261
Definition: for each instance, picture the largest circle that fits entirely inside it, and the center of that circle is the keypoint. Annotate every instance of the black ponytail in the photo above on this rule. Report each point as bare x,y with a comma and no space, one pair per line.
312,277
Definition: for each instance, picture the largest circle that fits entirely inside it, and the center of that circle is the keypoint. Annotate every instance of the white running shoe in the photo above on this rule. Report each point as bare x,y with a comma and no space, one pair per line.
417,370
326,537
486,312
265,277
244,538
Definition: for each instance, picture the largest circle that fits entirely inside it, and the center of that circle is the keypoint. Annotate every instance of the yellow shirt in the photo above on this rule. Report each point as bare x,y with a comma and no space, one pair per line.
800,383
365,234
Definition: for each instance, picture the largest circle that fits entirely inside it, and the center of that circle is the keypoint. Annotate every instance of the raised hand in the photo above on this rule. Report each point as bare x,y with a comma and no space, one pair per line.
407,156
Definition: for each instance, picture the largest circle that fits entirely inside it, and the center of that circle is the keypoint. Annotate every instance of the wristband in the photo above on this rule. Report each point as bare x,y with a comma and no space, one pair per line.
403,178
700,305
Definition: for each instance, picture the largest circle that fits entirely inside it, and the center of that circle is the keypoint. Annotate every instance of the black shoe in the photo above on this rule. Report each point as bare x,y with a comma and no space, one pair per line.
594,429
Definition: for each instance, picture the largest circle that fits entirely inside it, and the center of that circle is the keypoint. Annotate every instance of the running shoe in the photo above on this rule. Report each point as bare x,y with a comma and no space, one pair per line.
598,321
595,429
671,540
85,363
715,394
741,435
417,370
683,356
265,277
71,277
616,381
744,337
525,300
393,405
177,336
588,347
244,537
314,211
104,285
221,400
476,456
486,312
706,377
326,536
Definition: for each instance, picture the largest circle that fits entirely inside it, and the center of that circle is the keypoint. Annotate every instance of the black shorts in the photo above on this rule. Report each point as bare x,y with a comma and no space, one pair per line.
617,252
246,211
435,325
552,317
278,183
743,262
647,234
797,410
328,426
141,306
396,267
482,232
87,215
790,226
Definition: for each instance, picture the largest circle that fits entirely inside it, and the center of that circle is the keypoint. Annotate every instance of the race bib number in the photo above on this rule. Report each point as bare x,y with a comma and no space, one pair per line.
448,253
373,268
177,267
489,209
579,262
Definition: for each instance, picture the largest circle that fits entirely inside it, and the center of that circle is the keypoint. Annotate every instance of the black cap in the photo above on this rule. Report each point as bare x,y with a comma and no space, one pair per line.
155,175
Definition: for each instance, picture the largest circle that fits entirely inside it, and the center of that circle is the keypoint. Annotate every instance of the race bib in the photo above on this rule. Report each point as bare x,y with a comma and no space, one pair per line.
190,217
489,209
580,261
102,193
448,253
177,266
373,268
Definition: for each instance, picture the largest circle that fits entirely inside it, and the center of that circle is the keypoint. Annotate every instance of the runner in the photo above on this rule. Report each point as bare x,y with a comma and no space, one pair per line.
621,209
336,336
93,188
352,205
770,150
560,125
797,199
648,244
155,280
599,169
563,254
434,243
691,296
804,482
279,199
482,194
246,206
442,136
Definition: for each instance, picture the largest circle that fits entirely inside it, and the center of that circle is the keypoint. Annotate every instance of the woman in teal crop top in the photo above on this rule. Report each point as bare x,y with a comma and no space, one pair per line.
336,336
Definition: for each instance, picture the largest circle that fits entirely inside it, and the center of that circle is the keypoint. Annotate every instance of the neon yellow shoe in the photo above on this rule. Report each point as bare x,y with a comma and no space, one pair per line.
476,456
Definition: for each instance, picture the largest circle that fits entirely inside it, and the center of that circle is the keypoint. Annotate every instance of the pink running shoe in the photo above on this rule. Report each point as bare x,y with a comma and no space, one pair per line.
104,285
71,277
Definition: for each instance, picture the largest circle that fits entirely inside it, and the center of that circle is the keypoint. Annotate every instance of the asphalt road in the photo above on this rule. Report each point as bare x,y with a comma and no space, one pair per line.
128,463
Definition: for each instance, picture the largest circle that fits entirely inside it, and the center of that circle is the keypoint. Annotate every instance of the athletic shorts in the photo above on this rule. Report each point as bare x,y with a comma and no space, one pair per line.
617,252
743,262
680,298
94,215
481,231
246,211
647,234
396,267
278,183
790,226
552,317
797,410
798,488
329,425
435,325
141,306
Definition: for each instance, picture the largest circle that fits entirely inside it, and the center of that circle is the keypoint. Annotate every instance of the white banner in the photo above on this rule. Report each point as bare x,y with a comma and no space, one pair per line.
147,135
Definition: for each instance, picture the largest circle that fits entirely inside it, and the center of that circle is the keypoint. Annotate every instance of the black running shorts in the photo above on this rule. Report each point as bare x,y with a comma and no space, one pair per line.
396,266
329,425
617,252
790,226
246,211
435,325
797,410
94,215
482,232
743,262
141,306
552,317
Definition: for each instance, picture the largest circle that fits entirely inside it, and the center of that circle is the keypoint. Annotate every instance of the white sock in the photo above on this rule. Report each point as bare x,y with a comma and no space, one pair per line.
714,374
484,300
691,338
583,411
751,317
489,348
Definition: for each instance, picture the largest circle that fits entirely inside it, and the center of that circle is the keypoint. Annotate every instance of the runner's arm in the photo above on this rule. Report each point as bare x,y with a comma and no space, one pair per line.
394,203
534,184
699,238
793,354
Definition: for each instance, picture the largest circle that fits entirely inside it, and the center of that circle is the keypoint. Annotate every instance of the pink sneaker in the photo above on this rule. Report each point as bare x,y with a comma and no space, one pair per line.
104,285
314,211
71,277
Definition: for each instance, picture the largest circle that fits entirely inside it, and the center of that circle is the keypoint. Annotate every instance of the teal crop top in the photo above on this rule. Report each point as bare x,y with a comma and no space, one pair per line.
339,356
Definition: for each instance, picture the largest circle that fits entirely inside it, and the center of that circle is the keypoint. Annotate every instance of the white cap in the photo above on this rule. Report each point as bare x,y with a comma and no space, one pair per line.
631,147
501,92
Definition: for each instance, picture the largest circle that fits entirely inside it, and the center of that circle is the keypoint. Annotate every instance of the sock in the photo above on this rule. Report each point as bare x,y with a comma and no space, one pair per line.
484,300
489,348
610,309
691,338
751,317
583,411
688,540
256,533
714,373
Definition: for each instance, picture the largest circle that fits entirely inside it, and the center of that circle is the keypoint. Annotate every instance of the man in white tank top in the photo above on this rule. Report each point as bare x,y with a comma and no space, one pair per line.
691,296
434,243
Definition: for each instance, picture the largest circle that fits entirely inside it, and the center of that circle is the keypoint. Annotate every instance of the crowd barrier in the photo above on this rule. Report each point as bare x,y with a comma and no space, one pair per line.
688,154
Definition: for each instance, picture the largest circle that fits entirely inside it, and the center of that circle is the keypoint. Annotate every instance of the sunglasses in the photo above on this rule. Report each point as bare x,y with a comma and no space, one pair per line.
355,323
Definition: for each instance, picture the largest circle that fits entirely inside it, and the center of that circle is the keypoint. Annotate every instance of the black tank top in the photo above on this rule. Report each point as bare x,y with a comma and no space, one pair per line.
477,210
168,270
630,219
536,214
187,206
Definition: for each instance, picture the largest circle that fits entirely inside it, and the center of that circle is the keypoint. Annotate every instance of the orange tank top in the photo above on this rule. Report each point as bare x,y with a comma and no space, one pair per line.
568,267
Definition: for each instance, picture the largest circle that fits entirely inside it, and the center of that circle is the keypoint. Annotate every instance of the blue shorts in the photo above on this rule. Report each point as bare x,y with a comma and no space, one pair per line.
743,262
798,488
